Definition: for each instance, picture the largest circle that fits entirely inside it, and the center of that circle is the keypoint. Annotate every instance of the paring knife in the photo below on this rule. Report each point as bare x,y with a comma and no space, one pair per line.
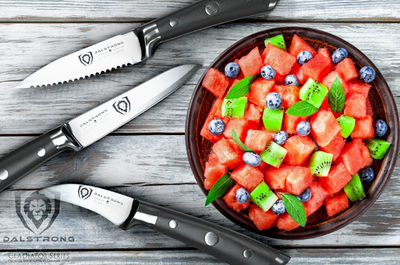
125,212
93,125
140,44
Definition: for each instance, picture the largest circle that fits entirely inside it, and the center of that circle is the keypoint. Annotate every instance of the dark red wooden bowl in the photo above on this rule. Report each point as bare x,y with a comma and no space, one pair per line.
384,107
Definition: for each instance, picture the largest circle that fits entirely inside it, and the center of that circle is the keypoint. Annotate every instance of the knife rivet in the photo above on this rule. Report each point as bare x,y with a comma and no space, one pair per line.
173,22
173,224
212,8
211,238
3,174
247,253
41,152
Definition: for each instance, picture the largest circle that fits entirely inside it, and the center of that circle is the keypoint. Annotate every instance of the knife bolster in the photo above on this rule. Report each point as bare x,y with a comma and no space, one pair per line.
142,213
149,38
62,140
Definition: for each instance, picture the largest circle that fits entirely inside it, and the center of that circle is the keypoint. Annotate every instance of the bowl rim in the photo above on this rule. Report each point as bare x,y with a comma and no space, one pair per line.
384,173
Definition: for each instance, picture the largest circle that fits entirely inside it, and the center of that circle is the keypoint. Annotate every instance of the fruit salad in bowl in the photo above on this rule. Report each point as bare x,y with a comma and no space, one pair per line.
292,133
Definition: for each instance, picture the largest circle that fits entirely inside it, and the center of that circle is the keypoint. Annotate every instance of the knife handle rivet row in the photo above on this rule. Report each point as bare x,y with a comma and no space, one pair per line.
211,238
41,152
173,224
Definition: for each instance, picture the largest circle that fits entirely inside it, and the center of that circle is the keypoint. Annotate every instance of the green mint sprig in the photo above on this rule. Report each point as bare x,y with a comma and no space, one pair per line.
220,187
295,208
336,96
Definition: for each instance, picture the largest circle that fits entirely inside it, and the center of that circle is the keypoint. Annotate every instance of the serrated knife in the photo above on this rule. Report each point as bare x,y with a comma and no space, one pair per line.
125,212
140,44
93,125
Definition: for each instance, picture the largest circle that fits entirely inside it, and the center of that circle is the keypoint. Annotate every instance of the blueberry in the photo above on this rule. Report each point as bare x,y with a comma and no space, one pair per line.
273,100
280,137
303,128
367,74
367,174
242,195
291,80
304,57
278,207
252,159
232,70
305,195
267,72
339,55
216,126
380,128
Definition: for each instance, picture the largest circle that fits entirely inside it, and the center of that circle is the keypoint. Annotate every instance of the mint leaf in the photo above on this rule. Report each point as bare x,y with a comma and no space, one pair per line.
240,143
220,187
336,97
241,88
301,109
294,208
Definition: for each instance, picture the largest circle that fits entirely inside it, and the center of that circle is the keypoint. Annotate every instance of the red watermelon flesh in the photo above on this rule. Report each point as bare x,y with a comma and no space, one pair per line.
257,140
317,68
251,63
364,128
298,45
253,113
337,178
247,176
325,52
324,127
355,106
366,157
319,194
262,220
213,171
289,123
215,112
347,68
298,180
334,146
330,78
259,91
276,177
336,204
289,95
232,202
350,157
228,153
216,82
299,149
279,59
359,87
297,71
241,126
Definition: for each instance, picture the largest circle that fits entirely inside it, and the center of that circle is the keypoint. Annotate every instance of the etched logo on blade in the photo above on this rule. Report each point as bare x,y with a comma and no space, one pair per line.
86,58
84,192
122,106
37,210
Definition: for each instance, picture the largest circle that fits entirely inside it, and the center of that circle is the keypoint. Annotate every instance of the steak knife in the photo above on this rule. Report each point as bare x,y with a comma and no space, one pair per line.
93,125
125,212
140,44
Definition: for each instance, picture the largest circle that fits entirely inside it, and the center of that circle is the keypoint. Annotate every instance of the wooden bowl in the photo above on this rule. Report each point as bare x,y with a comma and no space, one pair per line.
384,107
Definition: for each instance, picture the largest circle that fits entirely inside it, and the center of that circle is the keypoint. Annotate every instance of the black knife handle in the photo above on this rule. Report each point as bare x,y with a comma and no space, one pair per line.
226,245
197,16
23,160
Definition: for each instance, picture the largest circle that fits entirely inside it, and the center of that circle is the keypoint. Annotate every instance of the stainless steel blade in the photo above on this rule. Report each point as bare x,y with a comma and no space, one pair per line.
100,121
115,52
113,206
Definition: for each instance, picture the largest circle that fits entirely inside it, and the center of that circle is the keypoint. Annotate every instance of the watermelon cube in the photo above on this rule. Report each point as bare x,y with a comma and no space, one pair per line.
355,106
289,123
262,220
334,146
232,202
365,156
253,113
216,82
213,171
337,178
289,95
359,87
257,140
228,153
241,126
285,222
215,112
350,157
298,45
364,128
297,71
298,180
330,78
259,90
247,176
279,59
336,204
251,63
325,52
276,177
347,68
324,127
317,68
319,194
299,149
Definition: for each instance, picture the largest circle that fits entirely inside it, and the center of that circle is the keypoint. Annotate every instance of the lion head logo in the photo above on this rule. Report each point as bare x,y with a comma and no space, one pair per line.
86,58
122,106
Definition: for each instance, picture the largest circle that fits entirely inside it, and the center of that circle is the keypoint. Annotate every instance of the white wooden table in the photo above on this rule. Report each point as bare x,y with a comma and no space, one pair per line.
146,158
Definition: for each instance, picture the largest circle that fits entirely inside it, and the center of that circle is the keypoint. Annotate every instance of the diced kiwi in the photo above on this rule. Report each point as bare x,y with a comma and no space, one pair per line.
313,92
377,147
277,41
320,163
272,119
354,189
273,154
263,196
234,108
347,123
